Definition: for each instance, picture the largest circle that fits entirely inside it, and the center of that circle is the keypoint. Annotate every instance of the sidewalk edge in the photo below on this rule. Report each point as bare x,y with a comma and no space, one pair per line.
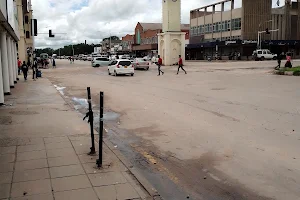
142,181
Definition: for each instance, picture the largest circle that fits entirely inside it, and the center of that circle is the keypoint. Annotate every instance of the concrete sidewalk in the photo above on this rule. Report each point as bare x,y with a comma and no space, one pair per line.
43,152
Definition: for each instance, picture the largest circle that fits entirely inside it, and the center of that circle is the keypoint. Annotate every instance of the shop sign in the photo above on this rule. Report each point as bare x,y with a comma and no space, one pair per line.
230,42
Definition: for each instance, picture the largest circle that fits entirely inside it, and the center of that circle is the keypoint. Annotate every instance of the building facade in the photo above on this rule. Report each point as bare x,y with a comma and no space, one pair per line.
127,42
9,37
221,32
146,38
26,42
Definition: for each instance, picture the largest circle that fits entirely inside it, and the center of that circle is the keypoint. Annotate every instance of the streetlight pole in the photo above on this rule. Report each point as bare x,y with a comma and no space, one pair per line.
260,32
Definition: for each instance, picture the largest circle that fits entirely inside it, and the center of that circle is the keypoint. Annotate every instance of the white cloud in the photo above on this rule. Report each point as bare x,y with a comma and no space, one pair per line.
93,20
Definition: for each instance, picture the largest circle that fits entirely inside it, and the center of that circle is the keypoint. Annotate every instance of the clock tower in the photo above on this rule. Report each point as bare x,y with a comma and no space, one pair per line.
171,15
171,42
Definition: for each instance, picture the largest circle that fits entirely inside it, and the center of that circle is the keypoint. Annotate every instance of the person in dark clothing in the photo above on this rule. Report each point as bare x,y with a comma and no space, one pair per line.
25,70
34,69
279,58
159,63
180,65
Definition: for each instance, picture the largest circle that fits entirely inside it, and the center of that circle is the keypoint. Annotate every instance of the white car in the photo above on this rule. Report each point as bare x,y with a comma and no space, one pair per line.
100,61
120,66
89,58
154,59
264,54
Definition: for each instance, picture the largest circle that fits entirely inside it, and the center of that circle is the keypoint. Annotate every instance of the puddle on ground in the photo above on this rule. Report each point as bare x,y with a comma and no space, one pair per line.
80,103
60,89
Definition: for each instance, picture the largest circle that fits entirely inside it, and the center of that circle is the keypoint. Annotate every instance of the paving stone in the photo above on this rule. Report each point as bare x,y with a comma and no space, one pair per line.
79,194
36,197
7,158
60,145
62,171
60,152
136,185
106,192
91,168
6,177
32,155
31,164
31,188
56,139
70,183
30,175
108,178
61,161
7,150
126,191
84,149
33,147
88,159
4,191
30,141
6,167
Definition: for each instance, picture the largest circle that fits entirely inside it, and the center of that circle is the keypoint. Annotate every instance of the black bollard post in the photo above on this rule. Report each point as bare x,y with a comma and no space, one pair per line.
100,160
90,114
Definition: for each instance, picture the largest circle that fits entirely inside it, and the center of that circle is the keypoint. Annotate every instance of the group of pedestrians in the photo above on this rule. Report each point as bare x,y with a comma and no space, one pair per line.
25,67
180,65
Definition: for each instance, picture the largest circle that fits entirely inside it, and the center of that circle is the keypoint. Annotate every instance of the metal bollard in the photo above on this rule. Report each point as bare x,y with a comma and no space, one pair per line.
100,160
90,115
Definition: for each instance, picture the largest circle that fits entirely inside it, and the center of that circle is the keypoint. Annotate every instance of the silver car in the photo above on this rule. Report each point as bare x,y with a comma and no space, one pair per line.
140,63
100,61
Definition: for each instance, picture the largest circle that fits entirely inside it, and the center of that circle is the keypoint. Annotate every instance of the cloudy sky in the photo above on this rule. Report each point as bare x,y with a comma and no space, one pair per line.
93,20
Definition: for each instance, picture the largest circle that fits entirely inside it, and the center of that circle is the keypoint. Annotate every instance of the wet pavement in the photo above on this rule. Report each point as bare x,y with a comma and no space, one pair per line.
224,131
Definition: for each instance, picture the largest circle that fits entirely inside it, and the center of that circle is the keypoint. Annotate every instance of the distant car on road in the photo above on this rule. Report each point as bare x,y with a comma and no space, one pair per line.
89,58
100,61
263,54
120,66
140,63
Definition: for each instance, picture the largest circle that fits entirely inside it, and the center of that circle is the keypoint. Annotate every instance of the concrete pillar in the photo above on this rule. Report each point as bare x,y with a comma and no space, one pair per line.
10,66
4,62
16,59
13,61
1,83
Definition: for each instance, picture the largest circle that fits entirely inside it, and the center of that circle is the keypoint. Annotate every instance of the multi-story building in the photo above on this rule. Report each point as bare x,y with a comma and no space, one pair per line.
9,36
26,42
220,31
127,42
146,39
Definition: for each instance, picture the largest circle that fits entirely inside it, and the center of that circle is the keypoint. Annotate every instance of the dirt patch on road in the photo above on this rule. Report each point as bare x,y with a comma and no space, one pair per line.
5,120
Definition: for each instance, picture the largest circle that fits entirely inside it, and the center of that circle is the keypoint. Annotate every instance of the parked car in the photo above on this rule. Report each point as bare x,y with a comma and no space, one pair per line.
100,61
140,63
84,58
154,59
263,54
120,66
89,58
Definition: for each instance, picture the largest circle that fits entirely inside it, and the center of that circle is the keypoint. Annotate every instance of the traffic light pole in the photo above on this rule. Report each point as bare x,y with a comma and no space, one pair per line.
259,36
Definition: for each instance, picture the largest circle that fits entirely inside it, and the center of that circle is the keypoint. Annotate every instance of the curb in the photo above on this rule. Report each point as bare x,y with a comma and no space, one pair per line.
286,73
142,181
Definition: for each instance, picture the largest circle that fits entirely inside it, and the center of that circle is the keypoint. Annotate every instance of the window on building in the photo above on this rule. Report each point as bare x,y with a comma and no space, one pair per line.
214,27
210,28
228,25
27,34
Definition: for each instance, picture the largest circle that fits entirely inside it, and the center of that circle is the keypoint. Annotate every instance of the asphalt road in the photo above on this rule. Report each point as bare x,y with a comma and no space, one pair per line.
225,130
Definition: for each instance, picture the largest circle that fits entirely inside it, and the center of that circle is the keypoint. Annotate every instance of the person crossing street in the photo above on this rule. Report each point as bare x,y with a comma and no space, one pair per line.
159,63
180,65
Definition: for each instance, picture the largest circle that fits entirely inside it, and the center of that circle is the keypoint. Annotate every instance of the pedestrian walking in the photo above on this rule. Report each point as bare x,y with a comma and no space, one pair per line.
34,69
53,63
288,60
279,58
19,66
25,70
180,65
159,63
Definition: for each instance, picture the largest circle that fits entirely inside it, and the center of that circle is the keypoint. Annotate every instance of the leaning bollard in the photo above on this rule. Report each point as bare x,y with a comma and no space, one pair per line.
100,160
90,115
